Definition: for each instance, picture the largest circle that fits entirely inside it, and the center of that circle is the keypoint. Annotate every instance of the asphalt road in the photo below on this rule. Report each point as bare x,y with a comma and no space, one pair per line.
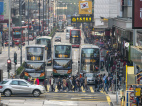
96,98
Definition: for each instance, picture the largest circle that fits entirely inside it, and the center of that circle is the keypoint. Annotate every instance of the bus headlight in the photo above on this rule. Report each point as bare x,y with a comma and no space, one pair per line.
26,74
54,71
42,74
69,71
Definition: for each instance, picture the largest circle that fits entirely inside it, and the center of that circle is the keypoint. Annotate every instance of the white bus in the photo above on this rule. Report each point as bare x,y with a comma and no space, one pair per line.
62,59
89,59
46,40
35,63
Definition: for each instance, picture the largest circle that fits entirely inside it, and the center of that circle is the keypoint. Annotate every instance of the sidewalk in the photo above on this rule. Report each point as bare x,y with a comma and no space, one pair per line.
113,99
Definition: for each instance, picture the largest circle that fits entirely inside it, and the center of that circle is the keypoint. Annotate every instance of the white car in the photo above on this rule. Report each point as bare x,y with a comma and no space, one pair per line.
20,86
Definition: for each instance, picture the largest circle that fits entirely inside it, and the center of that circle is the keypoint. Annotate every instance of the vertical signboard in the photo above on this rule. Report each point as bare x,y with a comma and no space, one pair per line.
85,7
137,14
6,9
1,10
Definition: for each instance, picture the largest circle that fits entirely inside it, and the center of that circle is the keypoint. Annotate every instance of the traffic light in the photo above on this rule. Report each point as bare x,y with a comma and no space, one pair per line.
15,58
9,64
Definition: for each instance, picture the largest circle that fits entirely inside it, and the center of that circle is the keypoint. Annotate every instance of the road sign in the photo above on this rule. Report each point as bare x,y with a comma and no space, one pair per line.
81,19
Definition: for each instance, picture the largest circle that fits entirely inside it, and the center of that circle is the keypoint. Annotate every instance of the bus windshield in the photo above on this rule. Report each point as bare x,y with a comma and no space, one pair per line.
75,32
62,64
62,51
34,67
46,42
35,53
87,52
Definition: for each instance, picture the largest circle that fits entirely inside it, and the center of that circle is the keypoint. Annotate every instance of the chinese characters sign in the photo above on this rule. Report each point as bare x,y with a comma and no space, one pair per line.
137,14
81,19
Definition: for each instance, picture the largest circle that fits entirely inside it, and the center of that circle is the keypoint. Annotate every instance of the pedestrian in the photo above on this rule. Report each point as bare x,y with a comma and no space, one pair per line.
45,82
85,83
68,84
131,87
74,83
78,83
52,84
64,84
59,83
96,84
37,81
82,82
106,84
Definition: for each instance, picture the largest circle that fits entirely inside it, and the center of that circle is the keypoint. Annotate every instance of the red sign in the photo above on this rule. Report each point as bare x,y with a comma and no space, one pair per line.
137,14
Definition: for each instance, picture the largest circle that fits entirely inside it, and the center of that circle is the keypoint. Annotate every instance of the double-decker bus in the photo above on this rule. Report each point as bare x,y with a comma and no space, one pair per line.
46,40
35,61
0,43
62,59
75,37
17,35
89,59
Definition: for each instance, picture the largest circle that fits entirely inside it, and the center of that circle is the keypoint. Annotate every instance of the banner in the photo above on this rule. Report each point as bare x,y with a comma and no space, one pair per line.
81,19
6,9
137,14
85,7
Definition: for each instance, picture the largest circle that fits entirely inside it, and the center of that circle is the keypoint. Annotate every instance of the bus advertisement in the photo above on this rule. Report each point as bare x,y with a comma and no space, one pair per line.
46,40
75,37
89,59
35,62
62,59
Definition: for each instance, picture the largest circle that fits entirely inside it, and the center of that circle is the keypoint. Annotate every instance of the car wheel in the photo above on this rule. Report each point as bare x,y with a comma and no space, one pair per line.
7,93
36,93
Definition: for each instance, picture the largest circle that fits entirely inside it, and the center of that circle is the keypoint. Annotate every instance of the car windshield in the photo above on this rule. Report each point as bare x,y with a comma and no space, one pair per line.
89,75
4,82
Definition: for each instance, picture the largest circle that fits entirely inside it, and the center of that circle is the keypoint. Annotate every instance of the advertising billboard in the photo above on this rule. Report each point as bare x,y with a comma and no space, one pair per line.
85,7
137,14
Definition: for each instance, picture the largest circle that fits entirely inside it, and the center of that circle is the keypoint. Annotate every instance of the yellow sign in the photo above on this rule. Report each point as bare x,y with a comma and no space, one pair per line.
60,55
81,19
85,7
137,91
90,60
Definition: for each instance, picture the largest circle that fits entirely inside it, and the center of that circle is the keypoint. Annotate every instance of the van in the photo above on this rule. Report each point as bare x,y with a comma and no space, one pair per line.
68,28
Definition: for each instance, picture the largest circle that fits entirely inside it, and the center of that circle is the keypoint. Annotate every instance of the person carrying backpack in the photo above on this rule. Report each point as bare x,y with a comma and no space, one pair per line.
106,84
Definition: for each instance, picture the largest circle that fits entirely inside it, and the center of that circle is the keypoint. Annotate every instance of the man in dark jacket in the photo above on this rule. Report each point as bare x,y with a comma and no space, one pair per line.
45,82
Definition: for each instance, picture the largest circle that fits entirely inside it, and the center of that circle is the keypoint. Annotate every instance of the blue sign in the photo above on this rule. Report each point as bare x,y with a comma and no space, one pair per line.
1,8
16,33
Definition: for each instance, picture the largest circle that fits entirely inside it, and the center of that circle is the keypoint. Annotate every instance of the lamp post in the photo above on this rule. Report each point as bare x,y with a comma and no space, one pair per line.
43,17
48,15
28,22
39,16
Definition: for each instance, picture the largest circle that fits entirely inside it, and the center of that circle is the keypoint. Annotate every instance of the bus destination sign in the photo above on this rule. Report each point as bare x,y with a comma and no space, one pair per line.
81,19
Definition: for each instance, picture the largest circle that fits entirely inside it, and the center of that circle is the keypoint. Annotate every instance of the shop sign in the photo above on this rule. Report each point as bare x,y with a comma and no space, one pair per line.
137,14
81,19
85,7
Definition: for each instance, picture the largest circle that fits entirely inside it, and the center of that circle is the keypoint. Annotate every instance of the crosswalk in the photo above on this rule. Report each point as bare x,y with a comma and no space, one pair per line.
91,89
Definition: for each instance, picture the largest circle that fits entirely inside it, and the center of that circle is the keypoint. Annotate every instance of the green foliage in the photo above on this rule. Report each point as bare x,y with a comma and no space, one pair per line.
20,69
53,31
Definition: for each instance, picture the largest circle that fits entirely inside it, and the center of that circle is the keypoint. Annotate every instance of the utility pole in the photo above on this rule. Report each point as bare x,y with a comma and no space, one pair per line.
39,17
28,22
20,31
43,17
9,36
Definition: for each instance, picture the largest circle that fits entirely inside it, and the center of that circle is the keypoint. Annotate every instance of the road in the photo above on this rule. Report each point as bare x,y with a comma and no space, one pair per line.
56,98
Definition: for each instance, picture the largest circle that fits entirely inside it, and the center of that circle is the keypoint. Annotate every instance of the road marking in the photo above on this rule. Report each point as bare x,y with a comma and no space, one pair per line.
91,89
82,89
48,86
56,90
